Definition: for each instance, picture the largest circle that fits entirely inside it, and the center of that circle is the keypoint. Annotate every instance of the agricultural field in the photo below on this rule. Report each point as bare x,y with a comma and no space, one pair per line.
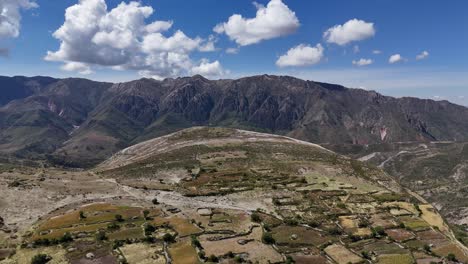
211,195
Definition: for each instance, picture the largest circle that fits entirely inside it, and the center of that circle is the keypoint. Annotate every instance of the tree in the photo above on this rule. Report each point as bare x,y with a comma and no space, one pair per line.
149,229
40,259
82,215
168,238
155,201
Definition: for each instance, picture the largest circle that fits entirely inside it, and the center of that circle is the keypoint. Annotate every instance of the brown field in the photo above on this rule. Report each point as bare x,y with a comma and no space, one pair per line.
342,255
256,250
444,250
305,236
399,234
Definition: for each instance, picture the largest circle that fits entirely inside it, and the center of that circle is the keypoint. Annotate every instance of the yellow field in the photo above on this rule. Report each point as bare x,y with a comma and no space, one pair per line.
183,253
143,254
395,259
181,225
430,215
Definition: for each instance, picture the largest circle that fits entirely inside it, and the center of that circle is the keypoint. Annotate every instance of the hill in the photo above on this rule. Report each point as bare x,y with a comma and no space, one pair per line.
222,195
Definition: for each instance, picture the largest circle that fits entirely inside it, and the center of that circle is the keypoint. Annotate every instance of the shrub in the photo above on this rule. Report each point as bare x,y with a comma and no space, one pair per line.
67,237
155,201
363,223
289,260
101,236
149,239
255,218
267,238
334,231
82,215
145,214
427,248
196,242
451,257
212,258
291,222
119,218
113,226
365,255
40,259
378,231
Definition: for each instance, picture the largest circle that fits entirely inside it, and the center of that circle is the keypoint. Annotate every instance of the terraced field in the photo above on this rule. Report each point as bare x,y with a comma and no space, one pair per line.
208,195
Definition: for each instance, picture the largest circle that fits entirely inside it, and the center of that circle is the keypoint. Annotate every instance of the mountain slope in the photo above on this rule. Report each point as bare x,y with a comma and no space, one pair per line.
114,116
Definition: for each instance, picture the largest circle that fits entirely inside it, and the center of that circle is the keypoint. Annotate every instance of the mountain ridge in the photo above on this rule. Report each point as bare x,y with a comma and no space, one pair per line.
87,121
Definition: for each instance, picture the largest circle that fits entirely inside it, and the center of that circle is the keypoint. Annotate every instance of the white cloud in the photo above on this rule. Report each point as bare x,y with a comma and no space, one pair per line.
301,55
353,30
395,58
79,67
376,52
120,39
422,56
356,49
232,50
363,62
10,16
159,26
274,20
207,69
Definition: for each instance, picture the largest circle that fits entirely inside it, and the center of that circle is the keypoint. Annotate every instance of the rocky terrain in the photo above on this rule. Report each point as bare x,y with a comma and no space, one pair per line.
78,122
209,195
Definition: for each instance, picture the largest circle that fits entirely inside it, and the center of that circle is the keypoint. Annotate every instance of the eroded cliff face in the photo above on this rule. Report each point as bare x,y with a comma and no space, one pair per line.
86,121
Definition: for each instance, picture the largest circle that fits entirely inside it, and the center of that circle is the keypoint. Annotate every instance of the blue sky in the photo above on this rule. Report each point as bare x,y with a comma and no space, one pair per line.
407,28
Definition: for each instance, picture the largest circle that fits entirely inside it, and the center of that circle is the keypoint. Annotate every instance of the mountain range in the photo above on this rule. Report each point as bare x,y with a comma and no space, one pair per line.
79,122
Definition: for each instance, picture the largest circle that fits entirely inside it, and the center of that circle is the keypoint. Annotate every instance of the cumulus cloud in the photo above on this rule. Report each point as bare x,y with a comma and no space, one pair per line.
271,21
301,55
363,62
422,56
10,16
120,39
353,30
207,69
79,67
395,58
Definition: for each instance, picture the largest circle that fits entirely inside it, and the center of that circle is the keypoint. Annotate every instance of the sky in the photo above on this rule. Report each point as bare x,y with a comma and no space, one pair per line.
396,47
